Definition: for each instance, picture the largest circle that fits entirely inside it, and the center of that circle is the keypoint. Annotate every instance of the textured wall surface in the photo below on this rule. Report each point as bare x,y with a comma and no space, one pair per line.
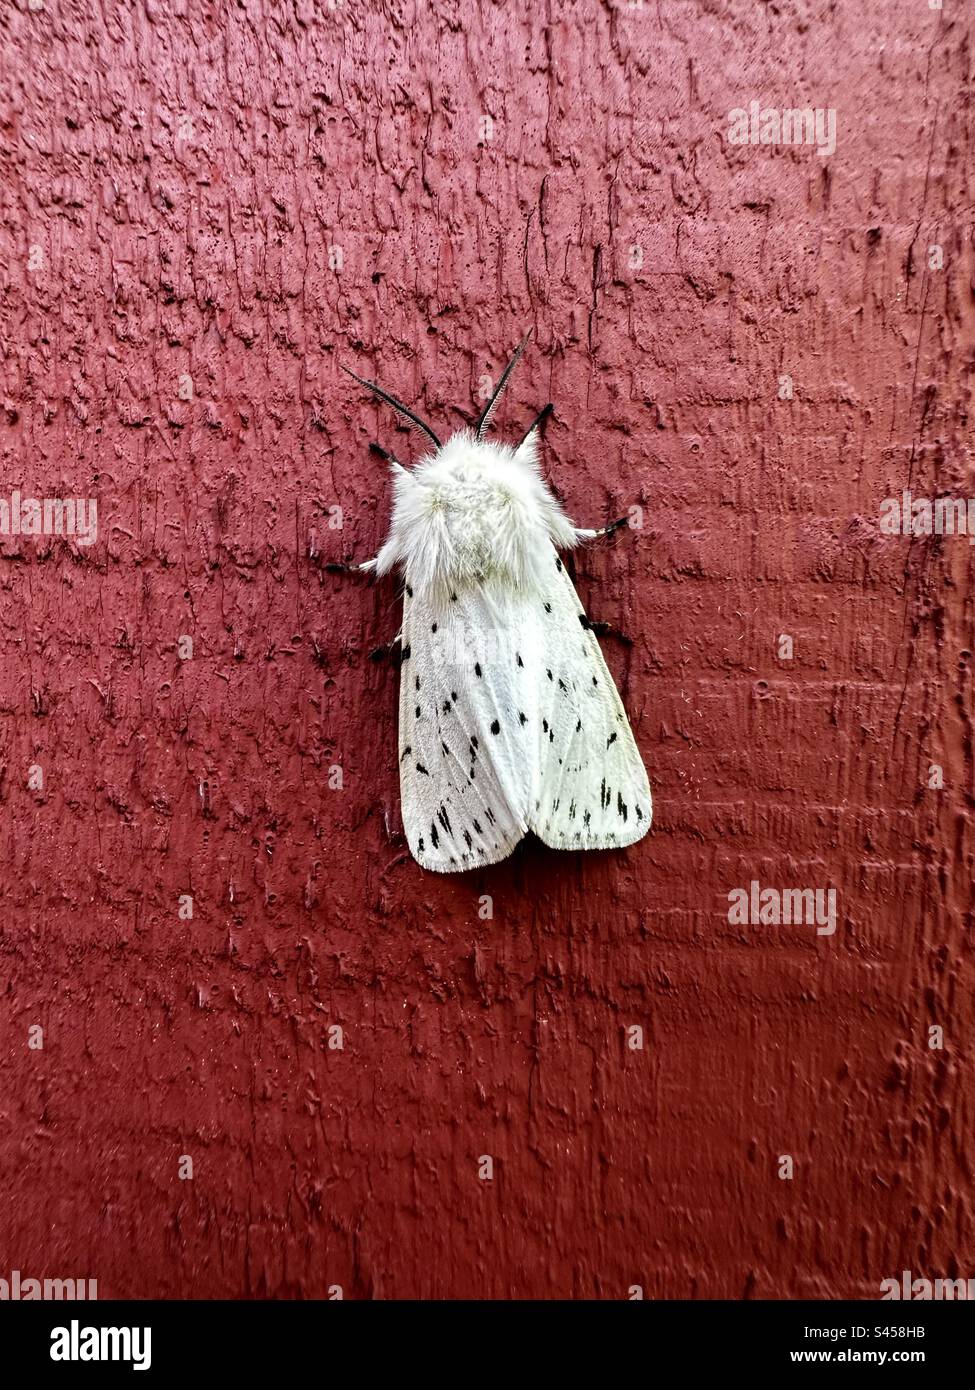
205,208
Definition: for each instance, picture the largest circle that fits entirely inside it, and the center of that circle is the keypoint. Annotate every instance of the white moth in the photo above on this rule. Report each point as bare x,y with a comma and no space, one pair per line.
509,720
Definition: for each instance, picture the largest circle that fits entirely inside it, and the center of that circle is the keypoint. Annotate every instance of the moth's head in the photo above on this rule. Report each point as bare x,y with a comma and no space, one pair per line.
468,465
472,510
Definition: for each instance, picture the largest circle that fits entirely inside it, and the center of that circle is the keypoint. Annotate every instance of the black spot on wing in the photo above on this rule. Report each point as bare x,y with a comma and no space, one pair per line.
421,768
495,727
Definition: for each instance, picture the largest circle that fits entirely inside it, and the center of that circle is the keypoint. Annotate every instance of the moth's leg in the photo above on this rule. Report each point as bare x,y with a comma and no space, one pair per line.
607,630
346,567
384,454
538,422
586,533
381,653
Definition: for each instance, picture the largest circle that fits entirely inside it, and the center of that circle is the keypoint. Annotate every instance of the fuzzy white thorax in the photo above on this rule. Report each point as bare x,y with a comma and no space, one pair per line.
473,513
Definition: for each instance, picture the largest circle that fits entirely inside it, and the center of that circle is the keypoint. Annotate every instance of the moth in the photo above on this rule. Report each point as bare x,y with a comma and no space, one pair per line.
509,720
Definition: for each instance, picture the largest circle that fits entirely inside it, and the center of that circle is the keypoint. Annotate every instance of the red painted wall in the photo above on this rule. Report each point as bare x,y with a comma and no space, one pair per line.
174,177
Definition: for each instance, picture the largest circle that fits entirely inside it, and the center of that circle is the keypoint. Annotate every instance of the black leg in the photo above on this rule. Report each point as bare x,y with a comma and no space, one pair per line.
347,567
538,422
391,649
607,630
590,534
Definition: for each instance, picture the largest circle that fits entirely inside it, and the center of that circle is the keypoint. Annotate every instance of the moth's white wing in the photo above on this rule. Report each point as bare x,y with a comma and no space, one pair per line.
468,753
593,790
510,721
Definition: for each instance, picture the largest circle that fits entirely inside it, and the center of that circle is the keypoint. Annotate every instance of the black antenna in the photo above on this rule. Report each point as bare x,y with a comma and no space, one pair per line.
398,406
488,410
